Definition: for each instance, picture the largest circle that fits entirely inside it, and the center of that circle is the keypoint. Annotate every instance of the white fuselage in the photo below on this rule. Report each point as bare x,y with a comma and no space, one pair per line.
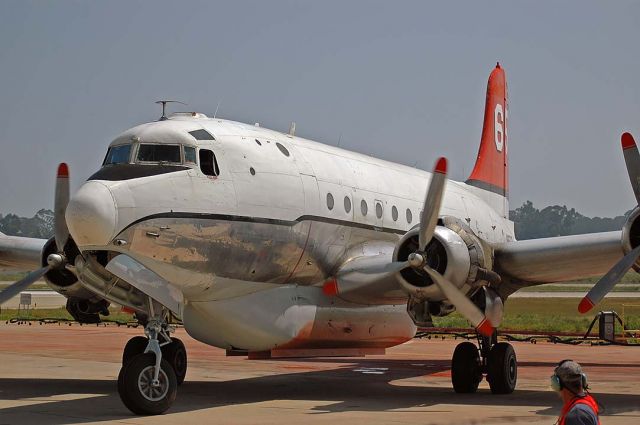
249,247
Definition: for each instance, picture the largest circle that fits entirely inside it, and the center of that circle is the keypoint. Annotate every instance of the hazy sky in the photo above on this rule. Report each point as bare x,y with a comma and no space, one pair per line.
404,81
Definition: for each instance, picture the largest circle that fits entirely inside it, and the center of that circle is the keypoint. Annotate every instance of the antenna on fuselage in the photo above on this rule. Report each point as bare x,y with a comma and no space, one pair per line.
215,114
164,105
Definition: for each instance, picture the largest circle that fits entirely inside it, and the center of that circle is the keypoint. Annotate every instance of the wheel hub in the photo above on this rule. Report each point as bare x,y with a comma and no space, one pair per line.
153,391
512,368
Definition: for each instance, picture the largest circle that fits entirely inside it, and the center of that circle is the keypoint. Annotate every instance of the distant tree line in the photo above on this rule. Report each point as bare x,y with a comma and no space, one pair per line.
556,220
530,222
38,226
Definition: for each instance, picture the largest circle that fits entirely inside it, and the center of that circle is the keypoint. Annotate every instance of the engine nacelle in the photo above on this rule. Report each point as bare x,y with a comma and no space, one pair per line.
82,304
631,231
631,234
455,252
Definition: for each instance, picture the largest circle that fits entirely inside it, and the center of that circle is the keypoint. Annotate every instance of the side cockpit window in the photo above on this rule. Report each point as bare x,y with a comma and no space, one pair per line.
159,153
208,163
118,155
190,154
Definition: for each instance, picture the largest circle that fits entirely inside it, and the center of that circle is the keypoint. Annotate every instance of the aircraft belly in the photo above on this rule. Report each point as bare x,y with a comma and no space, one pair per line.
292,316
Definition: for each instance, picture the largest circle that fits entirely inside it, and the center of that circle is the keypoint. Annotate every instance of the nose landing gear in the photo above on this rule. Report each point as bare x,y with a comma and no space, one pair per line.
141,391
152,369
495,360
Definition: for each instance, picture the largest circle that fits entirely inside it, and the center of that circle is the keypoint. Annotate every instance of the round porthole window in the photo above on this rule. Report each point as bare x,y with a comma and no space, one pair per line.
409,216
347,204
252,171
378,210
330,202
364,209
284,150
394,213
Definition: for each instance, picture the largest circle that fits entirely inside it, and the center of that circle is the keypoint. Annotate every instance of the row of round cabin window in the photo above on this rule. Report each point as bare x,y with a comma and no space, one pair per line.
208,164
364,208
282,149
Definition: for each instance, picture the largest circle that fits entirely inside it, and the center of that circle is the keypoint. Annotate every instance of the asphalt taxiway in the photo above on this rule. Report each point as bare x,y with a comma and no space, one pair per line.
60,374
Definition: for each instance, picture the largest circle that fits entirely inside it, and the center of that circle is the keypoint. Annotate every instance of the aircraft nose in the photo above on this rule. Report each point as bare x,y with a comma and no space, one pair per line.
91,215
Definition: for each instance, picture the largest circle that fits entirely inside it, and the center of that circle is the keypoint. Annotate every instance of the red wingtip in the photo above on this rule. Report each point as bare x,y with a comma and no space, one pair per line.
441,166
585,305
330,288
627,141
485,328
63,170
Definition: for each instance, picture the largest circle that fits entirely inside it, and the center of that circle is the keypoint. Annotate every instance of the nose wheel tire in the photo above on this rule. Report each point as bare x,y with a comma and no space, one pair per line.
466,369
502,368
134,346
137,390
176,355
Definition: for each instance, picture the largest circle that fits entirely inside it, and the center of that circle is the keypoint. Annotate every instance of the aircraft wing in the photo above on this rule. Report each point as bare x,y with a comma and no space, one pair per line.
558,259
18,253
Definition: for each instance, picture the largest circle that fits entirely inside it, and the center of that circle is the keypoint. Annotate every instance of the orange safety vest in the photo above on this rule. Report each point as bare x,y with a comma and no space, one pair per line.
587,399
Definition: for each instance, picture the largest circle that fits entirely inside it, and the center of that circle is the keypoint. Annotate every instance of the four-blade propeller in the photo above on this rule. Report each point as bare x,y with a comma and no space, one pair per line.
613,276
61,235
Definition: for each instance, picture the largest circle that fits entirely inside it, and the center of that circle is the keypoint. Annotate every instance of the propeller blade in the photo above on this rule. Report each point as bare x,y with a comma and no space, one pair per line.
61,231
23,284
331,287
463,304
394,267
494,307
632,161
431,208
608,281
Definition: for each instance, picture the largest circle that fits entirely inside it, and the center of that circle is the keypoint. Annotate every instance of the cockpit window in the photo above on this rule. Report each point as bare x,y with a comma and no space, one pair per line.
190,154
118,155
159,153
201,135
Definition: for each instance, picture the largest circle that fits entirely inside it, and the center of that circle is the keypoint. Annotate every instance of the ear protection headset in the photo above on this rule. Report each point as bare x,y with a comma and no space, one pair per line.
558,385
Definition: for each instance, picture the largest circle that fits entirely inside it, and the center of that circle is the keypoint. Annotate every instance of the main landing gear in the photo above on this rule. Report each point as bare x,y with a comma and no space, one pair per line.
496,360
152,368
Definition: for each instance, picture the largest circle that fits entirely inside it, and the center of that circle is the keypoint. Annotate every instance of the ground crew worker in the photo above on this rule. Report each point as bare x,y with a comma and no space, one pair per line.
571,384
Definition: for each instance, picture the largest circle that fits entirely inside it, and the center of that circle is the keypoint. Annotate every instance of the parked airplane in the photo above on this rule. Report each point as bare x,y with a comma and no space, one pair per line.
275,245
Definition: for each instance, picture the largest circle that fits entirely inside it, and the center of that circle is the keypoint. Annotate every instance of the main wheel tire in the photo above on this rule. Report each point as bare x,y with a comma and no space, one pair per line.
136,390
466,372
502,368
134,346
176,354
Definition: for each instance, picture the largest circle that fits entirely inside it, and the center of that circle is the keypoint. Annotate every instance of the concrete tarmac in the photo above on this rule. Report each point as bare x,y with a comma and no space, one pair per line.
60,374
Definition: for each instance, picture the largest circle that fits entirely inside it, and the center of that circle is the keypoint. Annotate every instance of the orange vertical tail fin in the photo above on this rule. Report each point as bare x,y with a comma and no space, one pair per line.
491,172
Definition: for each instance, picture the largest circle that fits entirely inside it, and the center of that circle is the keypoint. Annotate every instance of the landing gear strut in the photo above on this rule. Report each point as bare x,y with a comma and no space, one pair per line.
495,360
152,369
